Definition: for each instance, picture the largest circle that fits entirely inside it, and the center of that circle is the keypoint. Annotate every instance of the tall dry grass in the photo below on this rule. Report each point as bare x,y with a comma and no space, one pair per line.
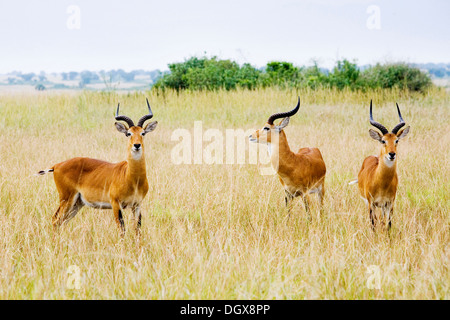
220,231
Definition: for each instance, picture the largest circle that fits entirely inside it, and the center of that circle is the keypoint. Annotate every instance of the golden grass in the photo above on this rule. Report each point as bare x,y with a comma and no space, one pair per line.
220,231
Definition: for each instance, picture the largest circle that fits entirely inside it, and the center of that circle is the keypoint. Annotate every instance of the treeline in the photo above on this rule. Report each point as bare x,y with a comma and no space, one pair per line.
88,77
82,78
211,74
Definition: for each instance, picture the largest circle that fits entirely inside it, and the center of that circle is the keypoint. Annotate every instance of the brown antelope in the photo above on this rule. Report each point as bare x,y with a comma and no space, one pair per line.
103,185
300,173
377,179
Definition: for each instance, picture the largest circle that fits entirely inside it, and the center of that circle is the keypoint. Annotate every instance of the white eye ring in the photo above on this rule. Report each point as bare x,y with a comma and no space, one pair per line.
266,129
143,133
129,134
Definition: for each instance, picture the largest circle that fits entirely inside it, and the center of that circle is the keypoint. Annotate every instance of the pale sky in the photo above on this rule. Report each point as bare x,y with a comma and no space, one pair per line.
132,34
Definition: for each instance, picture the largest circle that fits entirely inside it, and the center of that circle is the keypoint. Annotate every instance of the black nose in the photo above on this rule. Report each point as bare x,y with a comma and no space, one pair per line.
392,155
137,146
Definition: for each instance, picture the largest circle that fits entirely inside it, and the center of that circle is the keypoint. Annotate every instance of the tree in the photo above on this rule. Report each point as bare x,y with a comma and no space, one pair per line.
398,75
40,87
73,75
208,74
88,77
27,76
283,74
345,74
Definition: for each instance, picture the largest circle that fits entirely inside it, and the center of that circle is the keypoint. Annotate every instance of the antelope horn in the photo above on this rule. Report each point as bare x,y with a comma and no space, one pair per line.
276,116
146,117
401,124
124,118
377,124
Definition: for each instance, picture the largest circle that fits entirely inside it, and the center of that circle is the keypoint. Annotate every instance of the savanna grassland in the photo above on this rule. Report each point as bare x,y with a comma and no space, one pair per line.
221,231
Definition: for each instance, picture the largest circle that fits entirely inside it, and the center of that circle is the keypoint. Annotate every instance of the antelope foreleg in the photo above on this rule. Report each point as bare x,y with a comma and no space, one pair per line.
137,216
118,217
372,216
391,212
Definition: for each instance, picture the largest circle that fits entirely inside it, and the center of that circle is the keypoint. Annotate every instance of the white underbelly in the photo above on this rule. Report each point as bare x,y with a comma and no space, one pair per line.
316,190
95,204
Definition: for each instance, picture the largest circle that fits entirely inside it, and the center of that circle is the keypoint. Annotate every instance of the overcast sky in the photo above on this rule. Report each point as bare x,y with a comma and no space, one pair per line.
61,35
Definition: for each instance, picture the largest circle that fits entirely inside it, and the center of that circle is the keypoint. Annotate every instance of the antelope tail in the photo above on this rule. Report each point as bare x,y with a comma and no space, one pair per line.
353,182
42,172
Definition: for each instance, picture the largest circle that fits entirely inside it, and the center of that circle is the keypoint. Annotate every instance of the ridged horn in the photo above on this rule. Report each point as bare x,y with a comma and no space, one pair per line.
402,122
146,117
377,124
124,118
279,115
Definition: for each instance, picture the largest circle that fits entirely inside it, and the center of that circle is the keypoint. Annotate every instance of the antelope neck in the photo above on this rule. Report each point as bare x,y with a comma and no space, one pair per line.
136,167
280,148
383,171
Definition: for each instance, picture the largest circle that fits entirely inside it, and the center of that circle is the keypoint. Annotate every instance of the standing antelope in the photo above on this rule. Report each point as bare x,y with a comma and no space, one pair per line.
300,173
377,179
104,185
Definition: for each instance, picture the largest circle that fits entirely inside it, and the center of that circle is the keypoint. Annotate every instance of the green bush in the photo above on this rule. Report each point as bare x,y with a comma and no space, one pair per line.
314,77
345,75
209,74
283,74
396,75
213,74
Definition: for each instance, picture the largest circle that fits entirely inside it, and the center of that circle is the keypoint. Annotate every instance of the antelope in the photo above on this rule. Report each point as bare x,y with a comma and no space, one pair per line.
300,173
377,179
104,185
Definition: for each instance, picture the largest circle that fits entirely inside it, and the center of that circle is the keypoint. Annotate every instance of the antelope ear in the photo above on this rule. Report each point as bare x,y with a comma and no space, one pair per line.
403,133
150,126
121,127
282,125
375,135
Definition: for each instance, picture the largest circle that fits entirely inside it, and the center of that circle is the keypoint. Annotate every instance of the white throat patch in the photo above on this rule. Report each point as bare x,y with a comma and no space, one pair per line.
136,154
389,163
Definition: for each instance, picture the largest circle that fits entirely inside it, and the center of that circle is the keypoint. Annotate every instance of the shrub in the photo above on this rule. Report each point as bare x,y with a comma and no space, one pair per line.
398,75
209,74
212,74
345,74
283,74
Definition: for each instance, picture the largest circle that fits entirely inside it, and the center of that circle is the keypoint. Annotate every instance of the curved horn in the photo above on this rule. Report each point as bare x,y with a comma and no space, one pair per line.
401,124
146,117
377,124
276,116
124,118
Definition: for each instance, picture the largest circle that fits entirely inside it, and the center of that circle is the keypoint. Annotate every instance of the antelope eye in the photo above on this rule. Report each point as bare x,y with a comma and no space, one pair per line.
266,129
128,134
143,133
383,142
396,141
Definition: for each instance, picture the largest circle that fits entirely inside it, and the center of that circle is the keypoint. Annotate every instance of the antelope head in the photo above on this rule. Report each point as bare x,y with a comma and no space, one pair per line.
264,135
135,133
389,140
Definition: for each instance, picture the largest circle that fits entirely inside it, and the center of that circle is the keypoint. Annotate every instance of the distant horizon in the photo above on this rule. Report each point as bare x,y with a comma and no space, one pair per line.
259,67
